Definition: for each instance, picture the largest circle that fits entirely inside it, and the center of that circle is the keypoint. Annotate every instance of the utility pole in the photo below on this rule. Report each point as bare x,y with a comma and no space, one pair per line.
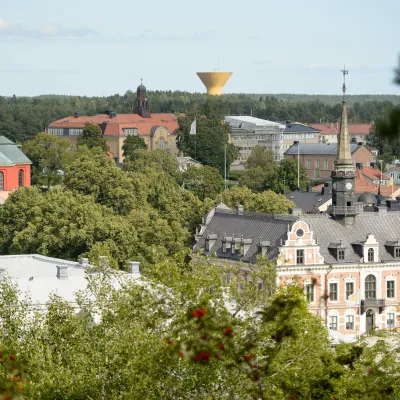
298,165
225,165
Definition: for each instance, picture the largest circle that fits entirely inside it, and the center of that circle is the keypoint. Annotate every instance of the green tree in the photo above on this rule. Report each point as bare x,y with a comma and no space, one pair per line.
260,157
132,143
203,181
288,175
92,136
254,178
48,154
266,202
142,160
208,144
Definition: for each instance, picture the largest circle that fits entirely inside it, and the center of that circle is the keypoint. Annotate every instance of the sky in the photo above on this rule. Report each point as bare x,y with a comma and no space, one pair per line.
101,48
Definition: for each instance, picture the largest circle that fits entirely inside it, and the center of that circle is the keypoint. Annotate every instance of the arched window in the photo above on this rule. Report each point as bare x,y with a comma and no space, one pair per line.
370,287
1,181
20,178
370,255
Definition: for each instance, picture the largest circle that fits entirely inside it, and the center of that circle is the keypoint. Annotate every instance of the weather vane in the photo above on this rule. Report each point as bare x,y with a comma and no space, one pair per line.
344,72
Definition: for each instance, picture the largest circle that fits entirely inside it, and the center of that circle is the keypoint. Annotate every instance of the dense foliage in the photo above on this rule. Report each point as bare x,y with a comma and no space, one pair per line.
21,118
186,334
263,173
92,136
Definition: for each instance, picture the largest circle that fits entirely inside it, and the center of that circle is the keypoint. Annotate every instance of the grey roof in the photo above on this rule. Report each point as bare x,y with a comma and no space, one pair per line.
259,227
317,149
10,154
326,230
331,234
295,127
307,200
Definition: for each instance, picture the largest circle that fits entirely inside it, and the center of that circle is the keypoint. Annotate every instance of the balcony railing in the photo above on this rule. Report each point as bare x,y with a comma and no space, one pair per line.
346,210
367,303
374,303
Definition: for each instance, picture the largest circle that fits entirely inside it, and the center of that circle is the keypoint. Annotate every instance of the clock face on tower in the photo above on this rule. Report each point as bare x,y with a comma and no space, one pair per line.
348,186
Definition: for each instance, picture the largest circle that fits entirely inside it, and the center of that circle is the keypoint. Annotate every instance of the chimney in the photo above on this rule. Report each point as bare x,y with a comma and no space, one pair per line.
239,209
83,262
77,115
134,269
62,272
246,245
382,210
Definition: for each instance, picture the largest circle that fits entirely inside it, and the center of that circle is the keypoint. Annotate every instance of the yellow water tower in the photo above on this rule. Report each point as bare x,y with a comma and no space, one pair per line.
214,81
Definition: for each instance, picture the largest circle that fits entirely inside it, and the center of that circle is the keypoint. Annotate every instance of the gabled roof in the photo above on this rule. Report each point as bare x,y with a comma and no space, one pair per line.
10,154
333,128
317,149
373,173
115,126
296,127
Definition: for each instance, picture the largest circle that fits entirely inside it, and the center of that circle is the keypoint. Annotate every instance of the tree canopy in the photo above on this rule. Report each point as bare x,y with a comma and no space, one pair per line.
92,136
132,143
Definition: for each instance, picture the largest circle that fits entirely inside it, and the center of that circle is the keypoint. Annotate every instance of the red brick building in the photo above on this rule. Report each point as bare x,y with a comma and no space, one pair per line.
15,168
318,158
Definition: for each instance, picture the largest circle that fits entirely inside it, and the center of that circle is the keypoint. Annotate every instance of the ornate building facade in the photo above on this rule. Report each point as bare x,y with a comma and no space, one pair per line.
347,260
157,130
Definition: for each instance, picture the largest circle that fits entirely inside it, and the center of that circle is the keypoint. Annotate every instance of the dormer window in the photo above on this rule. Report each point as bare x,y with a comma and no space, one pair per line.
299,256
393,248
338,251
263,247
397,252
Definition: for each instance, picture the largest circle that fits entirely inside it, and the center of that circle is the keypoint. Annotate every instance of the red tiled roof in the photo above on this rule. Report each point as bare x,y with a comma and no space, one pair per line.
116,125
373,173
362,186
333,128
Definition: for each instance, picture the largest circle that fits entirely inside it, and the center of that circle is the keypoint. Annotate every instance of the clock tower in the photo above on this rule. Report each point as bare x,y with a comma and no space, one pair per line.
344,206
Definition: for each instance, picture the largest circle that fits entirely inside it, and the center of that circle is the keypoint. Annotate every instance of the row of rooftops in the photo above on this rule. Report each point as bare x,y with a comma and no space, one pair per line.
241,236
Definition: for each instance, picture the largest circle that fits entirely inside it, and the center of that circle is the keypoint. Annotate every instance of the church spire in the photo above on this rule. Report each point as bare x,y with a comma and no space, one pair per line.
343,150
344,205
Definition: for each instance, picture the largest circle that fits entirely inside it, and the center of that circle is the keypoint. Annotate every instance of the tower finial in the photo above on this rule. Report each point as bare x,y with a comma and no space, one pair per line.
344,72
141,81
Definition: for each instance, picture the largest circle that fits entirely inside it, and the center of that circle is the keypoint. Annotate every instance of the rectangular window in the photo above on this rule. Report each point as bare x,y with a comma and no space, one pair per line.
131,132
390,289
316,163
397,252
349,289
340,255
326,164
300,257
390,320
350,322
309,292
308,164
333,291
333,322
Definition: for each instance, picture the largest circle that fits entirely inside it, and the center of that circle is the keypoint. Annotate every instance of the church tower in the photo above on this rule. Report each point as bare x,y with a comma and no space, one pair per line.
142,104
344,206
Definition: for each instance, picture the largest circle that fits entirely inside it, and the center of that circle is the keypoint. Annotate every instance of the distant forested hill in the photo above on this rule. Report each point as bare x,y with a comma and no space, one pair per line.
23,117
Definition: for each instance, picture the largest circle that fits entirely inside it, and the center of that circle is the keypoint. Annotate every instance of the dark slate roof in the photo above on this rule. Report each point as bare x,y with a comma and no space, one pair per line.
384,227
295,127
318,149
307,200
10,154
250,225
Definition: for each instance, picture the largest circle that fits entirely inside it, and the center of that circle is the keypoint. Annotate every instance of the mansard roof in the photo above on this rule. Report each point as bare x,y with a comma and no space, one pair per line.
384,226
259,227
329,233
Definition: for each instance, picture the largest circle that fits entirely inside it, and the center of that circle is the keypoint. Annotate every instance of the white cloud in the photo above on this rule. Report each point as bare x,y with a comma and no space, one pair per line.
46,30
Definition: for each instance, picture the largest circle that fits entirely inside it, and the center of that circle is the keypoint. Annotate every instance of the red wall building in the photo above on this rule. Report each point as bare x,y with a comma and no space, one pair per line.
15,167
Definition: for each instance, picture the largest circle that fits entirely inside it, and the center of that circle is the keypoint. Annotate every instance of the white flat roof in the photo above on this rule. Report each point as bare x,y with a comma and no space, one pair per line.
252,120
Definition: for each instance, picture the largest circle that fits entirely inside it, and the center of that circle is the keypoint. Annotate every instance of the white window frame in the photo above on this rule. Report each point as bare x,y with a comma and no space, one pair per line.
351,319
309,282
390,279
391,313
334,320
345,287
334,281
